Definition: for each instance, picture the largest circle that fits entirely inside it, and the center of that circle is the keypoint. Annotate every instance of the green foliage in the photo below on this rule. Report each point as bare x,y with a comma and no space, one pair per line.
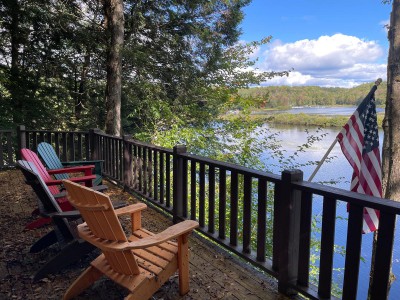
181,63
285,96
43,48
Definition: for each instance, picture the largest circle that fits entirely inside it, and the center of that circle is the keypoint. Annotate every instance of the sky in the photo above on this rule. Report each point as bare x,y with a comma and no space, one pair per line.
329,43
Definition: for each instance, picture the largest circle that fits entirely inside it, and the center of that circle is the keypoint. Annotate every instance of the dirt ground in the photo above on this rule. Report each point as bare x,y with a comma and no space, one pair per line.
213,274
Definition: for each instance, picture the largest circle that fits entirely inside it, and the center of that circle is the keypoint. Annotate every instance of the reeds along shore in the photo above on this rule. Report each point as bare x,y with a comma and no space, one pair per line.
301,119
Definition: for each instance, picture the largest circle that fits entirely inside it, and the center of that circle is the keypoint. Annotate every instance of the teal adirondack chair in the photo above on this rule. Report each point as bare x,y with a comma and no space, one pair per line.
52,161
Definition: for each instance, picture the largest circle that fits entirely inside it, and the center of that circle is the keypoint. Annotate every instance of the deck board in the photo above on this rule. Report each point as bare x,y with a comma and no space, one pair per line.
214,274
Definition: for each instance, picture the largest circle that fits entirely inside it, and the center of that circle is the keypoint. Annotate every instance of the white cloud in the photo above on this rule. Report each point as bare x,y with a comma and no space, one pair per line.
337,60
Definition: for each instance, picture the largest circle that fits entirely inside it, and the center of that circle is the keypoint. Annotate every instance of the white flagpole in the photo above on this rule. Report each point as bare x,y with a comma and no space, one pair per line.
377,83
323,159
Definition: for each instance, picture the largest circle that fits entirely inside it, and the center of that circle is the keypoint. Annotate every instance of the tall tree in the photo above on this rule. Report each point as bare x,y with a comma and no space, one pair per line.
44,55
176,59
391,122
114,23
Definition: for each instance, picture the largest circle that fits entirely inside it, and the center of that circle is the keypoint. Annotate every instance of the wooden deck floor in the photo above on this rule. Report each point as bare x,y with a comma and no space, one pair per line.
214,274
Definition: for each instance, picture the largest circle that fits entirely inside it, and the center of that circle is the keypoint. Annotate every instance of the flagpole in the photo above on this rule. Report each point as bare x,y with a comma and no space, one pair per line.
322,160
377,83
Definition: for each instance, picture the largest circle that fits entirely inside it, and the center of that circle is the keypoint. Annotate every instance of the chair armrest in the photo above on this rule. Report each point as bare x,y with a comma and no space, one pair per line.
119,204
130,209
60,195
81,162
86,169
162,237
74,179
73,214
97,169
170,233
99,188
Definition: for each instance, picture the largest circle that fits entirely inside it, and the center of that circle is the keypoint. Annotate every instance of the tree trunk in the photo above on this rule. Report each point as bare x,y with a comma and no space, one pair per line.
15,89
81,94
114,19
391,122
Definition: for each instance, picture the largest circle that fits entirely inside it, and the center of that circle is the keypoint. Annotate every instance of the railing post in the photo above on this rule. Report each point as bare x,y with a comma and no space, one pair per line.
93,144
127,161
178,183
289,216
21,140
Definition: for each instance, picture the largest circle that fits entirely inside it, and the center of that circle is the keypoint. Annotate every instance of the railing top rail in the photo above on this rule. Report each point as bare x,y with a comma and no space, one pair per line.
55,131
108,135
147,145
382,204
233,167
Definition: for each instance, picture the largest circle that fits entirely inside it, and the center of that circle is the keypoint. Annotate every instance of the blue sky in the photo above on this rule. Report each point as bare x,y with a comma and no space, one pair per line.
327,43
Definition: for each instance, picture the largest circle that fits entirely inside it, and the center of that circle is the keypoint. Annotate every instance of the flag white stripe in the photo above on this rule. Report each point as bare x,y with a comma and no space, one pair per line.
376,163
356,139
360,189
370,181
353,155
353,183
359,133
366,228
373,216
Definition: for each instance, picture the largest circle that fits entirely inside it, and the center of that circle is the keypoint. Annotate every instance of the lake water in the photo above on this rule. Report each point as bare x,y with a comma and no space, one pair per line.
340,170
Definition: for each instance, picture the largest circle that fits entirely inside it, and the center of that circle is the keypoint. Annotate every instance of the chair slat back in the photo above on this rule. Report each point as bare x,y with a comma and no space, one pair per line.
98,213
50,158
31,156
40,188
45,197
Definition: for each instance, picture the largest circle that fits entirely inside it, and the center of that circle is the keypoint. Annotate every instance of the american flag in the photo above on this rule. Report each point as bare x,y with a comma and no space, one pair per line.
359,141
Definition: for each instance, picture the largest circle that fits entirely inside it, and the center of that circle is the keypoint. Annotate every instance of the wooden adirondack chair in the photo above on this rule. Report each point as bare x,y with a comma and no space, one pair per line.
140,263
31,156
52,161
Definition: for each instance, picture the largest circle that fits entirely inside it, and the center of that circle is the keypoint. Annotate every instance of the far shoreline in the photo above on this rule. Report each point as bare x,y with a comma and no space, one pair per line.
275,117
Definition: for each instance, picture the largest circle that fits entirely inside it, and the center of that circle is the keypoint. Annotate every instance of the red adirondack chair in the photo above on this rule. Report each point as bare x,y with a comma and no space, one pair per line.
31,156
53,184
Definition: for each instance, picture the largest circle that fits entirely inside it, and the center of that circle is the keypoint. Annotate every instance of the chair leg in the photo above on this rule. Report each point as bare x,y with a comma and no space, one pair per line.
38,223
183,263
86,279
68,255
45,241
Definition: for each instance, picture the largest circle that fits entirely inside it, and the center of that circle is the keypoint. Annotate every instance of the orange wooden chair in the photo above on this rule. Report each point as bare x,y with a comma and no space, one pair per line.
140,263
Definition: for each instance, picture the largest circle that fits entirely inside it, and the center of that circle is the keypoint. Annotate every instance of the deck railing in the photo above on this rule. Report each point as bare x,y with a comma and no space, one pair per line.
262,217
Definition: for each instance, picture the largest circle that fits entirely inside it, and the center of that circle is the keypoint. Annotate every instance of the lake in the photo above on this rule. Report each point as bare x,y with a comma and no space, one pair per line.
340,170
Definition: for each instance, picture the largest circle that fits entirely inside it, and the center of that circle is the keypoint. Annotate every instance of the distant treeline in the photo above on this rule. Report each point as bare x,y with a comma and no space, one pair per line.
286,96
